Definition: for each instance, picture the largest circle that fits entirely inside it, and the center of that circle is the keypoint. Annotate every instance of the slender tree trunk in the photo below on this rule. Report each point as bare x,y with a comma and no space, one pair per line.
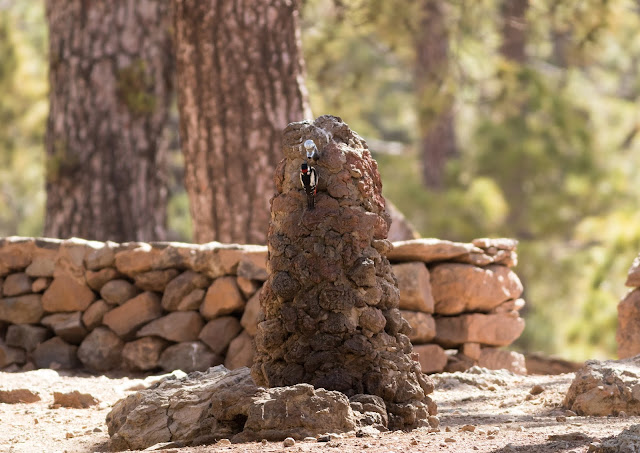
240,82
514,27
435,97
109,71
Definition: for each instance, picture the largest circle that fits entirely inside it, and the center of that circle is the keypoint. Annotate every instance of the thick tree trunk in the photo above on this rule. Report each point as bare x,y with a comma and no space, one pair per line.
109,71
435,97
240,82
514,27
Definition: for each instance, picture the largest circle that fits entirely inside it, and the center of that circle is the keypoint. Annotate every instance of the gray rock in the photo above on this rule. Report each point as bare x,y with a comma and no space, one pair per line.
241,352
188,356
628,441
55,353
10,355
118,291
67,326
101,350
26,336
143,354
227,404
606,388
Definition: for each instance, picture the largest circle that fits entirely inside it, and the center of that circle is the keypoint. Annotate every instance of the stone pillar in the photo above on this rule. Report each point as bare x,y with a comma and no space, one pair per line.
331,299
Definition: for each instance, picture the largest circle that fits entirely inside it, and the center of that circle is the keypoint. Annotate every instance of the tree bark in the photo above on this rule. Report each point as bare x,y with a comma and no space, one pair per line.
435,96
110,89
240,82
514,27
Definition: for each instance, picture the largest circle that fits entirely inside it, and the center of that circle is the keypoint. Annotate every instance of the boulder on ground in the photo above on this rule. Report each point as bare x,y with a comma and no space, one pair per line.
606,388
18,396
502,359
204,407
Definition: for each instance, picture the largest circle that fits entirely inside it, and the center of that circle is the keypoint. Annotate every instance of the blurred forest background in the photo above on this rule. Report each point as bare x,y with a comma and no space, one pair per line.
490,118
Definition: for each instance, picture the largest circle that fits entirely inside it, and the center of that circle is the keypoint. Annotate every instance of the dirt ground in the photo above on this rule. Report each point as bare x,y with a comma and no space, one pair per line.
490,411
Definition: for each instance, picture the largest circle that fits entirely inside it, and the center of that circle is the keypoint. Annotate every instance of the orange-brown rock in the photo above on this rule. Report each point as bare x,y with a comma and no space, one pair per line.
432,358
423,326
415,287
177,326
241,351
500,329
459,288
223,298
92,316
17,284
126,318
67,326
218,333
252,314
25,309
97,279
181,286
628,334
155,280
66,294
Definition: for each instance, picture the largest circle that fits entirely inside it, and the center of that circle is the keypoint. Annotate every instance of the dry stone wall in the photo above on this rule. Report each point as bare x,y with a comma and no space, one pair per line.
628,333
148,306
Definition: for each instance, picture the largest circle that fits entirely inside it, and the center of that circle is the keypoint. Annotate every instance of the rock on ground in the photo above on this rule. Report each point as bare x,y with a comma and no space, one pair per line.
606,388
205,406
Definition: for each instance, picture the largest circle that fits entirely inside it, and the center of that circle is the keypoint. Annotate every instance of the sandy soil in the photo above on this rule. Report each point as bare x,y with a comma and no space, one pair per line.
485,412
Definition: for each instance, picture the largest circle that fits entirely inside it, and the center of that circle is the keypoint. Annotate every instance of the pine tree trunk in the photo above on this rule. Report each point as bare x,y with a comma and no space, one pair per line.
435,96
110,88
514,27
240,82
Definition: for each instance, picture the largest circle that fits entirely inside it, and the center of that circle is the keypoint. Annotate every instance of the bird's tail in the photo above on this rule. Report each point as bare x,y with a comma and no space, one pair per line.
311,200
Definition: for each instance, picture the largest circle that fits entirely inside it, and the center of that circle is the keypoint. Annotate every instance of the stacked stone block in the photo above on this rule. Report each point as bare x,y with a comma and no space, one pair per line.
462,301
142,307
628,333
138,306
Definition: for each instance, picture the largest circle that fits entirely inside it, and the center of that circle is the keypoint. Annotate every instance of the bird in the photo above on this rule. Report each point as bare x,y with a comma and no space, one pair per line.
312,150
309,181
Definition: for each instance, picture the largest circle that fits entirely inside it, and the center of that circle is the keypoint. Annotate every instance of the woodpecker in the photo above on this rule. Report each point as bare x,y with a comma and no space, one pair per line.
309,180
312,150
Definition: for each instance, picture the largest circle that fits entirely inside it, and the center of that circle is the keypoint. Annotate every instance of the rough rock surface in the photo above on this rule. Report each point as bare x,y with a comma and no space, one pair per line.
331,299
218,403
606,388
628,333
101,350
628,441
188,356
459,288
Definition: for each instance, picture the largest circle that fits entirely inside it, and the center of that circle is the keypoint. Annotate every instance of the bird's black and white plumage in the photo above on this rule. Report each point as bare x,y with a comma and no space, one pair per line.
312,150
309,181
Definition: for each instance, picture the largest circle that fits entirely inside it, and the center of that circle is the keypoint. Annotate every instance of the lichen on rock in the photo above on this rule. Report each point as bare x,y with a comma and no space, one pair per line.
331,299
